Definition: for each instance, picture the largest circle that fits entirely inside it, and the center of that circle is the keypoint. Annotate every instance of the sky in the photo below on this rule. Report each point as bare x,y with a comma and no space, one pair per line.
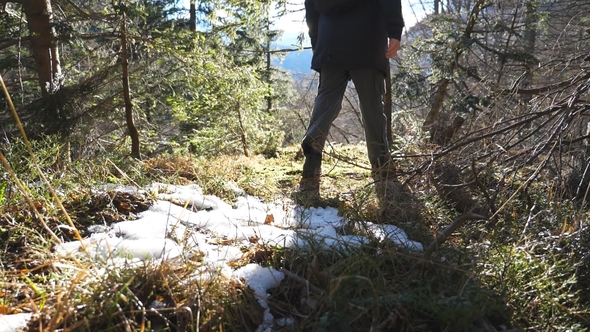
184,221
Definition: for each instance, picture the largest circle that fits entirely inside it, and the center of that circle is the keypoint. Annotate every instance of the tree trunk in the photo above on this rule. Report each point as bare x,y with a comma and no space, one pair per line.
39,19
193,15
530,36
268,73
127,94
243,136
458,49
387,105
50,115
268,76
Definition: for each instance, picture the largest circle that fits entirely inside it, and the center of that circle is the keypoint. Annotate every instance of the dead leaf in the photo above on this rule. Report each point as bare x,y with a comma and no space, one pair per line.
269,219
4,310
125,206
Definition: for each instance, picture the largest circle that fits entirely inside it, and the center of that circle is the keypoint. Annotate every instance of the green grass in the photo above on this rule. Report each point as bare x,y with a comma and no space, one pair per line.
517,275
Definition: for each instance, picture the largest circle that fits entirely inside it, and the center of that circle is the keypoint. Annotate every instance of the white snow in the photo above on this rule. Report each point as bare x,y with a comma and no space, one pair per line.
260,279
16,322
185,220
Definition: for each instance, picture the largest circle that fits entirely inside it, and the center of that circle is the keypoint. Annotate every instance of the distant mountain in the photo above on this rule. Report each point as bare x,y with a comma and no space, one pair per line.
296,61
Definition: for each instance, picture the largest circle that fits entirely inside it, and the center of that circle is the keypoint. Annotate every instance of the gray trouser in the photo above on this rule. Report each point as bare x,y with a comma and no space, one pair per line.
370,87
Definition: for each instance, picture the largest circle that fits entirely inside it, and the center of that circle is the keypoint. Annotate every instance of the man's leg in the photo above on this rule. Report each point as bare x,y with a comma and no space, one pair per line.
326,108
370,87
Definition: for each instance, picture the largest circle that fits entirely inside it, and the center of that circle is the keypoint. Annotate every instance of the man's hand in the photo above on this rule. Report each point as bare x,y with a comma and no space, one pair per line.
394,46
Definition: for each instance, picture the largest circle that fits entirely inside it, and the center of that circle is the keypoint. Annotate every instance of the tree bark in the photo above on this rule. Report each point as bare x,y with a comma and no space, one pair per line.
268,73
458,49
530,36
127,94
193,15
39,19
243,136
387,105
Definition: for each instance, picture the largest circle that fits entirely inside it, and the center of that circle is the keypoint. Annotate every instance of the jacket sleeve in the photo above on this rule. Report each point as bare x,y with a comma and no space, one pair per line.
394,21
312,17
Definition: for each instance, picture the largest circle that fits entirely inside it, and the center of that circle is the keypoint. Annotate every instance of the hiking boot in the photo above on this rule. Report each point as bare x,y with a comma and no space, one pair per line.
385,175
385,170
309,185
308,192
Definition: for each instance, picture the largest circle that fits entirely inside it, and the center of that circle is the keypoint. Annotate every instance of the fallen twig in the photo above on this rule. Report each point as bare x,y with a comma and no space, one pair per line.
442,236
299,279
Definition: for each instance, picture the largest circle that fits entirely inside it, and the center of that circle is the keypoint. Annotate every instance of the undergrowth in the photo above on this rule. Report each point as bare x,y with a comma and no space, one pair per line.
530,271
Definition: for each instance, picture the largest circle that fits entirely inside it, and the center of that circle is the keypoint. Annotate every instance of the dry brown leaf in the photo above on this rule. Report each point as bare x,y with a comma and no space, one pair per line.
269,219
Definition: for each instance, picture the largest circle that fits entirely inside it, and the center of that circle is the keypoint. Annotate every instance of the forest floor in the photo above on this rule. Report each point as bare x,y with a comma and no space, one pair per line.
531,276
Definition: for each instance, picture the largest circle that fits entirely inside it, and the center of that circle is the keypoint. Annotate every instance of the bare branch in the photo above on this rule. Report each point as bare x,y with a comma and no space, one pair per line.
300,280
442,236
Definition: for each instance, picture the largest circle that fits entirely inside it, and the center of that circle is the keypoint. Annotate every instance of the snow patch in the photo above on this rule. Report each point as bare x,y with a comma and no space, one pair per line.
260,280
12,323
184,220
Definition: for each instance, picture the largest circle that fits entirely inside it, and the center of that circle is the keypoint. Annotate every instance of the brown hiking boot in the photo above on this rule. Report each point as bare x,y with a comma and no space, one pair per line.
308,192
385,170
309,185
386,182
397,203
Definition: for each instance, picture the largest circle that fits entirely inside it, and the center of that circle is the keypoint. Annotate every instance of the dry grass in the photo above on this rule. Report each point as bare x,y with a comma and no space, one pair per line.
477,280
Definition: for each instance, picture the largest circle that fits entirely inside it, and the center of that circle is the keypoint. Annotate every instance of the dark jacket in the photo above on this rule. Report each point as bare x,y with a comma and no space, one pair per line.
356,38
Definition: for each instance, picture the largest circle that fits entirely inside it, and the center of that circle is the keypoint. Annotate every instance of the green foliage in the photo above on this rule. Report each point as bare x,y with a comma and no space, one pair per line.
3,185
211,82
220,103
536,286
